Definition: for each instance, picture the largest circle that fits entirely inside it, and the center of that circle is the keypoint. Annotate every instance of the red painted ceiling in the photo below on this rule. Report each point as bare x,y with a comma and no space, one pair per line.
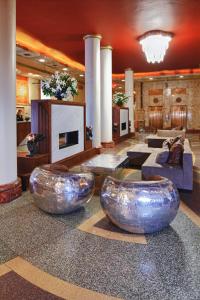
61,24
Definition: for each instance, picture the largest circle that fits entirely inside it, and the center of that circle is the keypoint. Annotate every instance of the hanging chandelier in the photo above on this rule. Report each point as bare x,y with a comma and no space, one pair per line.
154,45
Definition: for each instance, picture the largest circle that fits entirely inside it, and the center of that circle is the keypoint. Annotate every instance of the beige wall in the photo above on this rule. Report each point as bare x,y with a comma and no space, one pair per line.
191,98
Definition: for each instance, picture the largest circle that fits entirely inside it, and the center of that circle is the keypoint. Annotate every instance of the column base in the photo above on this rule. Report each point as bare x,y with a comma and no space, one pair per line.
108,144
99,149
11,191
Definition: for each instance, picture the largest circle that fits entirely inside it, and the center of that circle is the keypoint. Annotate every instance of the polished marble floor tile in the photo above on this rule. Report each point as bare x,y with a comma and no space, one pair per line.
165,267
5,252
26,227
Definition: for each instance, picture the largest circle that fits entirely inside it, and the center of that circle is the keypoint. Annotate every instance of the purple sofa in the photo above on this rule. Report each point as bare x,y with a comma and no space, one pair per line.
181,175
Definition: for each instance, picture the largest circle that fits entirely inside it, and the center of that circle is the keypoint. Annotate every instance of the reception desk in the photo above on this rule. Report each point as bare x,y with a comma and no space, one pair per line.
23,129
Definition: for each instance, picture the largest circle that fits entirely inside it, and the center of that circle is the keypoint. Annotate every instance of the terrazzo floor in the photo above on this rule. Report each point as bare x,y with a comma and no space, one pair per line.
165,265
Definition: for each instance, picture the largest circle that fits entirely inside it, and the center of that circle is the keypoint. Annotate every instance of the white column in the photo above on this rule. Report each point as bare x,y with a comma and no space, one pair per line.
106,94
92,86
8,151
129,92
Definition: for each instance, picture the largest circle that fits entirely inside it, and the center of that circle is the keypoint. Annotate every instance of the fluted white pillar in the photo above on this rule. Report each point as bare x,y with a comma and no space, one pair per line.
129,92
106,94
92,86
8,148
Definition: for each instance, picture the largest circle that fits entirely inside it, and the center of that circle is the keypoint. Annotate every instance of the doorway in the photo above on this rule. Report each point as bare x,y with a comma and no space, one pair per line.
155,117
179,116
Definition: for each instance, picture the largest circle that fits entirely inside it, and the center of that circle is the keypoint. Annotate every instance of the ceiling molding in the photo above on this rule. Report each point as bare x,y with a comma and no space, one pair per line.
25,40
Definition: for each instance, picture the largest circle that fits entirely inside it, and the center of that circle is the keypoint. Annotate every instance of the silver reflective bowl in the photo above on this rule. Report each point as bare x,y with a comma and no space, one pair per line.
57,191
142,206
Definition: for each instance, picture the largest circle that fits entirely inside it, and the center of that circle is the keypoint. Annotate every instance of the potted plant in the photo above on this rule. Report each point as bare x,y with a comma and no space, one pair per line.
60,85
120,99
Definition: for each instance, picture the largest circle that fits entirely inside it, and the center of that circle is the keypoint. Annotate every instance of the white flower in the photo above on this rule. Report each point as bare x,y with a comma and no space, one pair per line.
60,83
74,84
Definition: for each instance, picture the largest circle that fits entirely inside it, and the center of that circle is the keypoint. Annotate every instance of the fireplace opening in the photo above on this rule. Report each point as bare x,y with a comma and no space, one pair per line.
123,126
67,139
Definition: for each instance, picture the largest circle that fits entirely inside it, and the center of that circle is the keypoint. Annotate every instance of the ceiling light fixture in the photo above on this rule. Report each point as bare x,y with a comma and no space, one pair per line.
81,75
65,69
154,45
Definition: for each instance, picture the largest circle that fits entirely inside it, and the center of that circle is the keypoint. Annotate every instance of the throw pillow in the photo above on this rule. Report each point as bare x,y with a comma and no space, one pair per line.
175,154
162,157
181,139
168,143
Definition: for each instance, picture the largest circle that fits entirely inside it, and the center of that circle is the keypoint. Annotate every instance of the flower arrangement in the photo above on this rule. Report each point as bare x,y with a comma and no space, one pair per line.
60,85
120,98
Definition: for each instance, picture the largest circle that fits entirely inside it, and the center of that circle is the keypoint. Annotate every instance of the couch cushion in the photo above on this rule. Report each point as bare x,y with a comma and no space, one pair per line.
173,172
162,157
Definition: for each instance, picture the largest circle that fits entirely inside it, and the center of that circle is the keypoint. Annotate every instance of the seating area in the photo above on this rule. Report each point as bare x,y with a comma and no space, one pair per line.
156,140
181,174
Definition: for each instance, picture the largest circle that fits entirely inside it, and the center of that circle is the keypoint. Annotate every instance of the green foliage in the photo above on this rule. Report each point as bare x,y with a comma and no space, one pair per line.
120,98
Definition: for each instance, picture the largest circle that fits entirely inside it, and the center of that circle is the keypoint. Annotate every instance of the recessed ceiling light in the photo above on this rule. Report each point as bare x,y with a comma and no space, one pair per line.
41,60
119,87
181,76
65,69
81,75
123,79
150,78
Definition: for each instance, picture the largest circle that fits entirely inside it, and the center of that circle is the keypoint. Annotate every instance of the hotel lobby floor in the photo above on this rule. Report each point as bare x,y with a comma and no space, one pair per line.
82,256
